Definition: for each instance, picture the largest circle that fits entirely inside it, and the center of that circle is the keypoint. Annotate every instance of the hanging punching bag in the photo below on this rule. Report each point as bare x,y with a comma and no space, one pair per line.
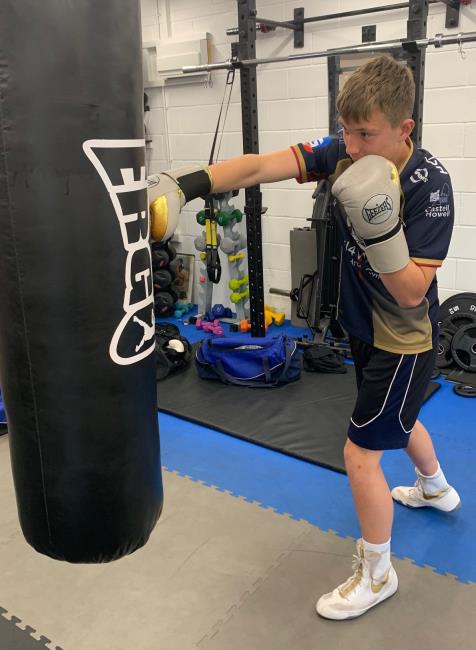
77,365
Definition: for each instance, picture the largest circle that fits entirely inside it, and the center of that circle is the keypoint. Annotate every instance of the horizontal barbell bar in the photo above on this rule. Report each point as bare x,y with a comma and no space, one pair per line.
343,14
439,40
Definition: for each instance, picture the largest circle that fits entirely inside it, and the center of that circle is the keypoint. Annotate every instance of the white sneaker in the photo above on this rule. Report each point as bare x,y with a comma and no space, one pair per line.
414,497
359,593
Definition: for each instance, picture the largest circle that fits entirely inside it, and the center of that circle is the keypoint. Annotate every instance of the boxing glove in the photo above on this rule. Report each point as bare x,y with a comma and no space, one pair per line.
169,191
369,194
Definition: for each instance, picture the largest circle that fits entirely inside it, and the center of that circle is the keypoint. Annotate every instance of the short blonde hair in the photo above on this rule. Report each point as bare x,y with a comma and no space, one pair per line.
383,84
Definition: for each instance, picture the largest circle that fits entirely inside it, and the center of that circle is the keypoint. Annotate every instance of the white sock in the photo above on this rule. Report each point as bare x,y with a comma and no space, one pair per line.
434,483
378,557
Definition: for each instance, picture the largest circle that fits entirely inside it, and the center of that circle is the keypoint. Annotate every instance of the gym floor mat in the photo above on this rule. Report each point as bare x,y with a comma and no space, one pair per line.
307,419
306,491
216,571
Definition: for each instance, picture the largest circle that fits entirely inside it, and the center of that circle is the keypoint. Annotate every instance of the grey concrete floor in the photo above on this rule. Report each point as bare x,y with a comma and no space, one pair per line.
219,573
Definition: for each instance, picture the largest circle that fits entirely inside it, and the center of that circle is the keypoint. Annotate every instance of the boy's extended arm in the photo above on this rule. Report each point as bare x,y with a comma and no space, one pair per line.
253,169
171,190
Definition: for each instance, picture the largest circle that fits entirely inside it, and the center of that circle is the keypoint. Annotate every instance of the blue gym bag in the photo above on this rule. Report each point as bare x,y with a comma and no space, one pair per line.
249,361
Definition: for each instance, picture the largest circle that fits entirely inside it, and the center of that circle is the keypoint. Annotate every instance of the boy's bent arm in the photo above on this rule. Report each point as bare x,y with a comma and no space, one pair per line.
409,285
253,169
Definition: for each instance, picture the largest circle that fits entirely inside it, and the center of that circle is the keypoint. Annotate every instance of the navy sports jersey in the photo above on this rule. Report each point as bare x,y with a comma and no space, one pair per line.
365,308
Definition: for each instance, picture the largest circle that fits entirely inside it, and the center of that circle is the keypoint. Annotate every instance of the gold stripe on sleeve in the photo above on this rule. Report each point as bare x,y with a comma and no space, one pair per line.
303,178
422,261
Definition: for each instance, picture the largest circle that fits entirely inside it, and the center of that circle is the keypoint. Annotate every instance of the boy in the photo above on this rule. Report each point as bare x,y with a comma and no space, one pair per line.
395,223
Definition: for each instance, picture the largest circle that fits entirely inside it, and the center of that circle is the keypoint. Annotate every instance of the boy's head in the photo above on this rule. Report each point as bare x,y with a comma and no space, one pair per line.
382,84
375,107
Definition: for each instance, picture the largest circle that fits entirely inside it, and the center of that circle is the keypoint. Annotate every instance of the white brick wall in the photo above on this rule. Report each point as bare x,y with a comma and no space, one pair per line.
293,108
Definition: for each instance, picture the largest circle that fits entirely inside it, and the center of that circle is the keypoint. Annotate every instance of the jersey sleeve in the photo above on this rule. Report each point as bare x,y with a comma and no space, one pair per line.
317,159
429,221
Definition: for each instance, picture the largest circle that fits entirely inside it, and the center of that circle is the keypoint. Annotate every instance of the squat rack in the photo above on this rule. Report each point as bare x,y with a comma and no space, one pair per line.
412,49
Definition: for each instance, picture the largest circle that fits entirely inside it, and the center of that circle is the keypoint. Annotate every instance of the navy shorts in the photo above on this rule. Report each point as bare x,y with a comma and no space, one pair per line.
391,390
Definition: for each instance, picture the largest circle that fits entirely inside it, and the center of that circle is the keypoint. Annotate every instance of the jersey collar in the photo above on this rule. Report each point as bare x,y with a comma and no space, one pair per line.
409,141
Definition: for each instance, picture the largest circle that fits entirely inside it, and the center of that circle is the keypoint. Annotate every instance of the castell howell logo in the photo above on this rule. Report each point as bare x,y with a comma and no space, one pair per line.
121,166
378,209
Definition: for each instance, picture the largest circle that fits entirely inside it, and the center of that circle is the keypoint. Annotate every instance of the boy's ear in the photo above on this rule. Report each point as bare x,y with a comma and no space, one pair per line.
407,127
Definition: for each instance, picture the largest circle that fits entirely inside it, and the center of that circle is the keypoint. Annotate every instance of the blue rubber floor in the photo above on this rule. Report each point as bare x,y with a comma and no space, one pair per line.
322,497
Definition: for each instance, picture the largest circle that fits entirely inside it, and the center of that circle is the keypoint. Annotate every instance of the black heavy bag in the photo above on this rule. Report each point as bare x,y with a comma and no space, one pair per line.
77,367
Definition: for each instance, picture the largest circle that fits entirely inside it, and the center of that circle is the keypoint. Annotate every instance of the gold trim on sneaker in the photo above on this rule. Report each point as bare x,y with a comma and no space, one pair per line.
378,586
437,495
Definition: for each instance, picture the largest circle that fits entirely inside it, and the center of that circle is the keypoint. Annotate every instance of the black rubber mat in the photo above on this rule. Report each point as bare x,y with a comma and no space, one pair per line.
307,419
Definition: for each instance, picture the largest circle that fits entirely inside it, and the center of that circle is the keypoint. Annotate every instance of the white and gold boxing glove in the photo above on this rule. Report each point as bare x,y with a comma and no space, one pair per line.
369,193
169,191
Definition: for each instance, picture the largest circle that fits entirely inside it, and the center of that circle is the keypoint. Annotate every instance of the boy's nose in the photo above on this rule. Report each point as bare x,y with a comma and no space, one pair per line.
351,146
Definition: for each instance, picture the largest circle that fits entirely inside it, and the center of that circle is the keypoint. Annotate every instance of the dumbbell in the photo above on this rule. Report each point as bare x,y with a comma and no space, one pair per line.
235,284
182,308
240,241
227,245
200,243
164,303
272,316
160,258
220,311
235,258
162,279
236,297
214,327
225,218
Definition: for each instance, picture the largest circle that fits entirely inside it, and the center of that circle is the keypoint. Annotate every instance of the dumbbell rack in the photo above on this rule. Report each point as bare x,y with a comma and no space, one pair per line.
232,244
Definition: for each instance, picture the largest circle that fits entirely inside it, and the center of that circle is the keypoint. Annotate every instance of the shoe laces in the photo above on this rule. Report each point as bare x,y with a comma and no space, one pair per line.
417,489
355,579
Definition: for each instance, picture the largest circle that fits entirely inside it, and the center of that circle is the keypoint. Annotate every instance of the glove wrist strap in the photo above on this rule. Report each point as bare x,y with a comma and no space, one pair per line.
194,182
382,238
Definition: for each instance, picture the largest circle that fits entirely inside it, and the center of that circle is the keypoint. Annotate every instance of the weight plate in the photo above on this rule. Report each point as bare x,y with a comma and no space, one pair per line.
464,390
460,303
457,320
463,347
444,357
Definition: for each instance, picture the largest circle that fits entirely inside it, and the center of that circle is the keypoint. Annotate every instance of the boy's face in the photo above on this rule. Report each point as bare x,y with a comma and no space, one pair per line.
377,136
